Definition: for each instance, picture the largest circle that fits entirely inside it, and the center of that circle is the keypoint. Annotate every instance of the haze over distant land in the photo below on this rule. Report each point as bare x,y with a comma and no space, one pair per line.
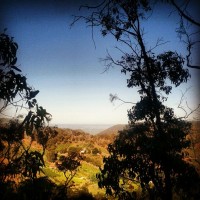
88,128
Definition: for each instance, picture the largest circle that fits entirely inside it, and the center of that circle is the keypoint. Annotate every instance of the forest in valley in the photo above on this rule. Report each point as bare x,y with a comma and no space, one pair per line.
155,156
89,150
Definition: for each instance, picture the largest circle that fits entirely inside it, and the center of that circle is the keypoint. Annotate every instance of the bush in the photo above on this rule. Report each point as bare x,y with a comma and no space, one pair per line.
93,160
73,150
51,156
95,151
41,189
83,194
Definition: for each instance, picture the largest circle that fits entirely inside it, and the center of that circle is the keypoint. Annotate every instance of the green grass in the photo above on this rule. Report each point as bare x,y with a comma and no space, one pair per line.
87,173
86,176
60,147
50,172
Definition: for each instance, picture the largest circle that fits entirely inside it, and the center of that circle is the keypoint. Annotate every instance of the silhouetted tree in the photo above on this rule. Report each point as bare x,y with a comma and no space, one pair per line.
69,166
150,151
17,160
188,26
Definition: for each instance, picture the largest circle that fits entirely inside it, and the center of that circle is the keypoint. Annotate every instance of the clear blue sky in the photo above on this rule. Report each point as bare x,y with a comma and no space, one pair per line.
64,65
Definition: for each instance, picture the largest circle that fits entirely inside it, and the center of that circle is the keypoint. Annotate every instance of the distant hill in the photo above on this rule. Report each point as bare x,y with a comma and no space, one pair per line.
88,128
113,130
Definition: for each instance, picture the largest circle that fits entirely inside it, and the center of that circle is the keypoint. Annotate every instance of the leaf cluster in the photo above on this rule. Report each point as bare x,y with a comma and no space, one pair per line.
12,82
113,16
17,157
68,163
139,157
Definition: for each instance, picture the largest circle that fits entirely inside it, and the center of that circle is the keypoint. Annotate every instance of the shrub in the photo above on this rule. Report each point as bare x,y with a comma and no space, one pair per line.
96,151
73,150
51,156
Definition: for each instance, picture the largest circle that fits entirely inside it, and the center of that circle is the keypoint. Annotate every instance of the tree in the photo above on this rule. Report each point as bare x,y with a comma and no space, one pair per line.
150,151
69,166
13,83
17,160
188,29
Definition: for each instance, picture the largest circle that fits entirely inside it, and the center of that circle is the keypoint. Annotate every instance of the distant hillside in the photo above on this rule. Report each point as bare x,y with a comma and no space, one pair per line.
110,133
88,128
113,130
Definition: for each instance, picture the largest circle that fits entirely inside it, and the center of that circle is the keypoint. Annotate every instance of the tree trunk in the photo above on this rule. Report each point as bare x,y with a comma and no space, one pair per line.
168,186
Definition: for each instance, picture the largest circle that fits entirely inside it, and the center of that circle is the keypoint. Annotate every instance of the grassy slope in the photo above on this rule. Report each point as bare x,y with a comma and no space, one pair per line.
85,177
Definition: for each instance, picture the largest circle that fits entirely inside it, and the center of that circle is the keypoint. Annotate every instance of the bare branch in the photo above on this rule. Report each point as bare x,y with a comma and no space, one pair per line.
183,14
92,7
109,62
187,110
159,42
189,48
115,97
188,41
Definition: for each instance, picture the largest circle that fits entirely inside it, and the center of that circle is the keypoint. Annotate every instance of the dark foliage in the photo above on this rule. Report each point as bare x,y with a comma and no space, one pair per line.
17,159
149,153
12,82
69,166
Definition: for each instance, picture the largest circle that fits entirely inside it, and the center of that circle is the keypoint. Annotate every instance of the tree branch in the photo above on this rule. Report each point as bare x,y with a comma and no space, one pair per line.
115,97
185,110
182,13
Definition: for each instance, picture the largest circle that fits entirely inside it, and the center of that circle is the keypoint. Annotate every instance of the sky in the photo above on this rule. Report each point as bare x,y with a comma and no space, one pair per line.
63,62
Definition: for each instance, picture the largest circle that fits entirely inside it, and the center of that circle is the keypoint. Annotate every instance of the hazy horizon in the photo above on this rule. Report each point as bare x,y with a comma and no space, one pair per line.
89,128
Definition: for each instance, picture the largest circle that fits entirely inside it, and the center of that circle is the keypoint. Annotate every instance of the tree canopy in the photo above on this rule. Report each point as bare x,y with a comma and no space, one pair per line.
17,159
150,152
117,17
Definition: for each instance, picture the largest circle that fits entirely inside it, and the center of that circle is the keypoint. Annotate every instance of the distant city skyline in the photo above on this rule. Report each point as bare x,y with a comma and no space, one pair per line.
64,64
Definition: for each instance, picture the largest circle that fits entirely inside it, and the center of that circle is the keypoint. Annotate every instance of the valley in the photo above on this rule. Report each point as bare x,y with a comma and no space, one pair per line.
91,150
94,148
